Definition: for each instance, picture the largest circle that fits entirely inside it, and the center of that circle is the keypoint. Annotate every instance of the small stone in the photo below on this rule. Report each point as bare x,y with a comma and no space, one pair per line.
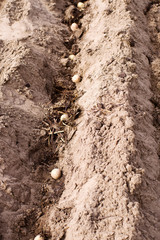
99,125
109,11
75,49
122,75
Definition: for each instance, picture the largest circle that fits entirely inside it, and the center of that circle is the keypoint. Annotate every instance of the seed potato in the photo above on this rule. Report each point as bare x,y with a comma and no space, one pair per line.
74,27
55,174
72,57
39,237
81,5
64,117
76,78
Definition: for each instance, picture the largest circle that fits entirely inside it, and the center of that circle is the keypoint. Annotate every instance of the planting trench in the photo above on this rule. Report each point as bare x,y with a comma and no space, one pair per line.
109,149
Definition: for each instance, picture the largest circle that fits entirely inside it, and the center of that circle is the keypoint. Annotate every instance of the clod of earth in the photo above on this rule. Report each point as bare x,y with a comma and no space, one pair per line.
158,85
74,27
56,174
64,61
76,78
64,117
39,237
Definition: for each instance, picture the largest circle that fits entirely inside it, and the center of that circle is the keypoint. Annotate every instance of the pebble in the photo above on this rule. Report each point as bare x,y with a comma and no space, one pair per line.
122,75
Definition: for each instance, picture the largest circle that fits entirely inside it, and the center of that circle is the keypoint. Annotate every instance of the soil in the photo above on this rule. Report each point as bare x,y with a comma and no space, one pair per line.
109,149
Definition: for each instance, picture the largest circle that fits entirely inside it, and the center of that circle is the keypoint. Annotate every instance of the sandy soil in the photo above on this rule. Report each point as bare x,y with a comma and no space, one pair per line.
109,148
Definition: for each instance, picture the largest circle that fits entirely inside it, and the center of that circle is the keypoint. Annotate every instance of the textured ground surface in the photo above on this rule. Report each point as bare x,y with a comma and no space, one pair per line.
109,149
